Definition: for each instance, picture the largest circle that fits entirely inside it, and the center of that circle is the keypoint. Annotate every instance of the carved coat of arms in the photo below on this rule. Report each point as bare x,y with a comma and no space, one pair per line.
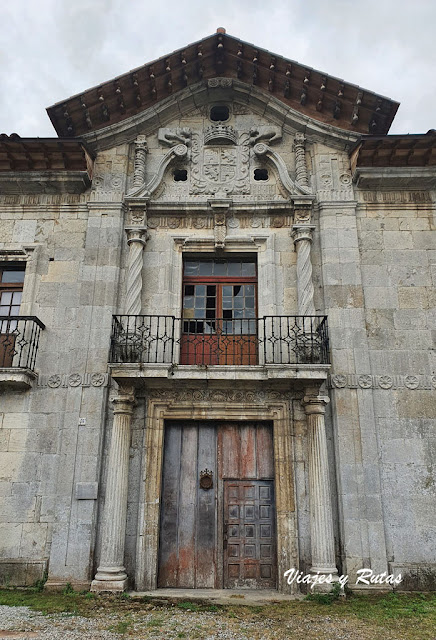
220,168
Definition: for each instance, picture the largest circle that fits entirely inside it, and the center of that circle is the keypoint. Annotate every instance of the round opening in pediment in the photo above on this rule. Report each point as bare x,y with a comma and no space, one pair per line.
219,113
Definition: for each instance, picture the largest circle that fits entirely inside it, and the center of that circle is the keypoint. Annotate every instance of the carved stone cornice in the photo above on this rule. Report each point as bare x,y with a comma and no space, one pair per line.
219,395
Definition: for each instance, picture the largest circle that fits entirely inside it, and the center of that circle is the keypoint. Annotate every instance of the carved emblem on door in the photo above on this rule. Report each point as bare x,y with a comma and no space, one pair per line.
206,479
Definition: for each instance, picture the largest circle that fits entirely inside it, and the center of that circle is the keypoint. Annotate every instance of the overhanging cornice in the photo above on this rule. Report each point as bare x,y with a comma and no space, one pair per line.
196,96
312,93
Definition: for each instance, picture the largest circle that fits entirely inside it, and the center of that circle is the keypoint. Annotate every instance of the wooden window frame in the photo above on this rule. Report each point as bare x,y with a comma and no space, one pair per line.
200,347
7,337
220,281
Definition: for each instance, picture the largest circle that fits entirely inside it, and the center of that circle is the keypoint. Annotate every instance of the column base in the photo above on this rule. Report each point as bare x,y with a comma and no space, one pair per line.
110,580
109,586
319,574
325,570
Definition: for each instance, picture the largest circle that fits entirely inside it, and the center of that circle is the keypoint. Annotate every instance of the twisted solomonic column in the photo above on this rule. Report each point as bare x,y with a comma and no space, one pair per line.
111,574
300,160
303,239
141,151
136,241
321,516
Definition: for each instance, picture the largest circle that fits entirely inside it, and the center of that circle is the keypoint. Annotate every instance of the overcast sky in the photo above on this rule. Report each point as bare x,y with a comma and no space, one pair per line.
52,49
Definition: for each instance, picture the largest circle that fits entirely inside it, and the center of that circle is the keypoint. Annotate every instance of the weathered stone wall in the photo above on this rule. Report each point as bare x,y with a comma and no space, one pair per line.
49,461
374,276
397,247
377,263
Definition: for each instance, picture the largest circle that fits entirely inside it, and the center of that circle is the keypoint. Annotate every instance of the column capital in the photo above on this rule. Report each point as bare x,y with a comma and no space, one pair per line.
141,143
315,404
299,139
302,232
135,234
124,401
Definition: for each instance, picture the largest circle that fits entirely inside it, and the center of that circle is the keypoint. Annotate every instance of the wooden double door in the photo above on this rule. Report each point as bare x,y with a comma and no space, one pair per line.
217,526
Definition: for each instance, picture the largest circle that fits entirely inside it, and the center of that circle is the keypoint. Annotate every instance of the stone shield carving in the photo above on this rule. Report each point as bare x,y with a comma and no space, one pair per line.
220,168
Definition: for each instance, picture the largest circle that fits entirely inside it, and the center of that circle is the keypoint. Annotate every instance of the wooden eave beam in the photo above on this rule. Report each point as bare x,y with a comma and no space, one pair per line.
120,96
29,154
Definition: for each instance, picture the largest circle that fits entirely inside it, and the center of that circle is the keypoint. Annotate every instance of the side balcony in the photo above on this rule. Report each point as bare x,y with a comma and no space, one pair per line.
19,341
267,348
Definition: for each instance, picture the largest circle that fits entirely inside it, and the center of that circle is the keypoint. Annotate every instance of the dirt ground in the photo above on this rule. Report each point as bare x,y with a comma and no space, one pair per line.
73,616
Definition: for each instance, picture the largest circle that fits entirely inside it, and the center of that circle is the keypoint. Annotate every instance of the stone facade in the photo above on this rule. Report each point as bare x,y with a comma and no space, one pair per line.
82,437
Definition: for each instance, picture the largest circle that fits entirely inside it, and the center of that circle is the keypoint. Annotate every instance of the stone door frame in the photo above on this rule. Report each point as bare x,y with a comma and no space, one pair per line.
277,412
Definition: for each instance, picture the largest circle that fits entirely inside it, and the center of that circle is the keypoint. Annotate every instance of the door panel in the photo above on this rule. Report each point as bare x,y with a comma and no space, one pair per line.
168,551
246,450
249,534
187,504
187,550
206,525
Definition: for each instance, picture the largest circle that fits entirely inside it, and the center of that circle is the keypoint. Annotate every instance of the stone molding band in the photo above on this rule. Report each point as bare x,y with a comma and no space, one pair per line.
63,380
386,382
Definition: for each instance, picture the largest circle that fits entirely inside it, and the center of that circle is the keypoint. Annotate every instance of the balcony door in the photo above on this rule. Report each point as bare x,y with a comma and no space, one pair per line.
11,290
219,324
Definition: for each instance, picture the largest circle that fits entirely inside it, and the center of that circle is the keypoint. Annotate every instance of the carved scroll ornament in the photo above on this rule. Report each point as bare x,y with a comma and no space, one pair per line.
262,150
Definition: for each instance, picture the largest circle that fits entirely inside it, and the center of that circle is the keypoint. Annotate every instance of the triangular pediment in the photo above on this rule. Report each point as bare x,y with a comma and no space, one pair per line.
193,158
313,94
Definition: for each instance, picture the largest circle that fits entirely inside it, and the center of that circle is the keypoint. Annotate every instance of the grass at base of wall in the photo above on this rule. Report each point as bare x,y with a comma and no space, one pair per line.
408,616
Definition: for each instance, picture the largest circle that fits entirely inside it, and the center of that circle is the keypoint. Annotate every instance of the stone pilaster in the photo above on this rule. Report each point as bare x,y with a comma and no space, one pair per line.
302,235
321,517
136,241
111,574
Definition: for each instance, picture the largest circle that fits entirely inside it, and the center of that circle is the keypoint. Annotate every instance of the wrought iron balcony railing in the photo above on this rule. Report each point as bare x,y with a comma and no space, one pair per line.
220,341
19,340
